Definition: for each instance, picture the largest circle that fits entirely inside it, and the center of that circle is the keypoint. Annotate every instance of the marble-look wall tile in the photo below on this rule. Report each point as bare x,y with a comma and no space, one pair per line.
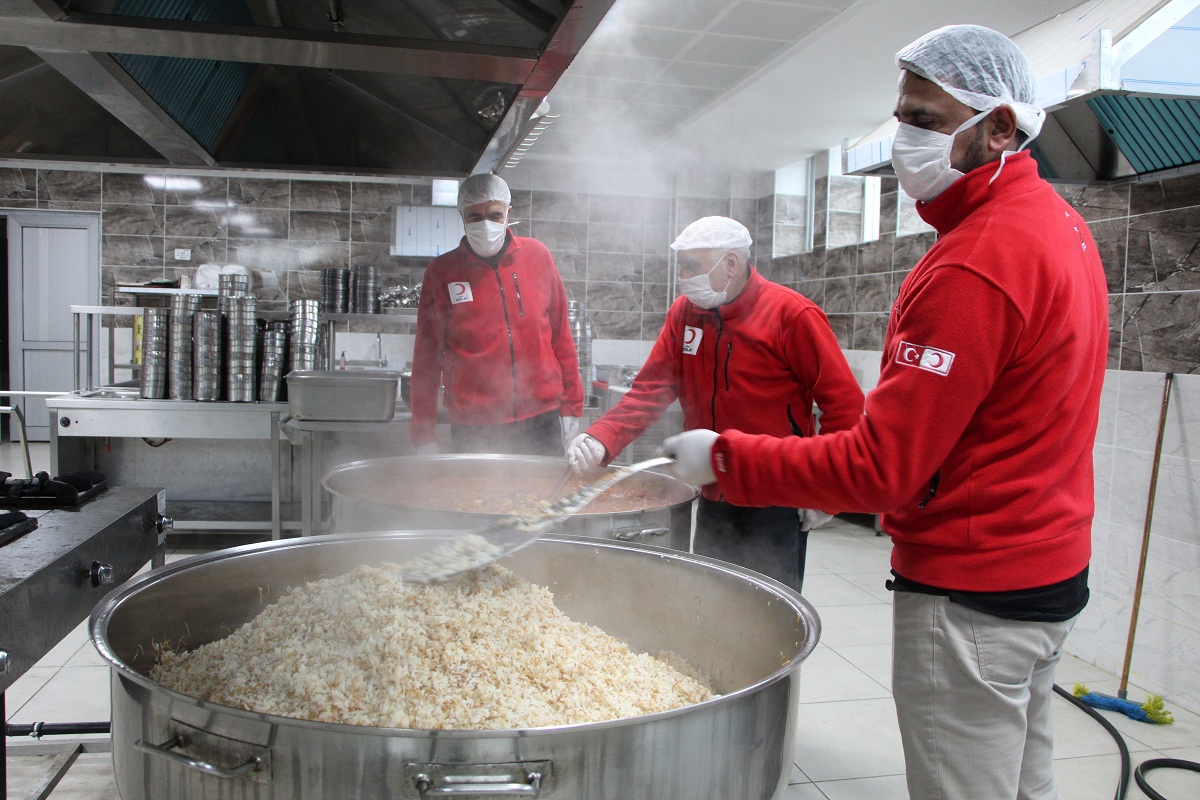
1182,436
615,324
789,209
843,328
614,267
320,225
260,193
652,325
910,249
522,205
613,238
134,220
17,185
656,269
1166,194
614,296
321,196
841,262
1138,404
571,266
1111,237
68,186
789,240
372,226
422,194
1163,251
839,295
620,210
131,251
207,222
876,256
1096,202
1161,332
888,212
869,330
845,228
373,254
690,209
1106,432
557,236
1177,502
378,197
813,290
200,191
1116,327
871,294
785,271
204,251
258,223
811,265
132,188
654,299
275,255
559,207
846,194
745,211
1131,485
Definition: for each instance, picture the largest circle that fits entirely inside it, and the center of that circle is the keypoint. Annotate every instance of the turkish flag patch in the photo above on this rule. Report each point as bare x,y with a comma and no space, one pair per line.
929,359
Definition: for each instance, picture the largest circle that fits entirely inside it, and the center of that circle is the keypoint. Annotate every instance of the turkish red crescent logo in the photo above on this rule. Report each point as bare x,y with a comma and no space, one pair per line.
460,288
930,359
689,335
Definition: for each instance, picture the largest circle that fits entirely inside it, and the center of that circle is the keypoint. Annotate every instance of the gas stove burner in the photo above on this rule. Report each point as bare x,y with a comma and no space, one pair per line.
14,524
42,491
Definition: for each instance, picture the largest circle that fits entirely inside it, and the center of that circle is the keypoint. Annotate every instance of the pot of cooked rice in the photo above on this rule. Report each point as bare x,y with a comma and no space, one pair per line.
576,669
458,491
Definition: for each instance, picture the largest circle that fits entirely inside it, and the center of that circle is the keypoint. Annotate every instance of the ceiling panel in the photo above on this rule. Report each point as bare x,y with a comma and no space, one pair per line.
733,50
716,76
769,21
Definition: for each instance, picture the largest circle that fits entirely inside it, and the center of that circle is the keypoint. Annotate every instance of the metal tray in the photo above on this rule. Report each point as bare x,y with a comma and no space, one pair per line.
342,395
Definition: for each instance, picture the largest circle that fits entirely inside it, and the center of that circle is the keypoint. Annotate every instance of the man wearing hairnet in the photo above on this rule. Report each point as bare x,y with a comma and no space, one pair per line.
492,329
738,352
977,441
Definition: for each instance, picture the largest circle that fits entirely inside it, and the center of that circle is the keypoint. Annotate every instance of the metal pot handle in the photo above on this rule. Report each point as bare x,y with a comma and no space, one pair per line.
479,780
164,750
629,534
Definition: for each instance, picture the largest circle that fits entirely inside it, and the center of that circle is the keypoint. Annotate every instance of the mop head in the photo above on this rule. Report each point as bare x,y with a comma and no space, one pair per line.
1150,711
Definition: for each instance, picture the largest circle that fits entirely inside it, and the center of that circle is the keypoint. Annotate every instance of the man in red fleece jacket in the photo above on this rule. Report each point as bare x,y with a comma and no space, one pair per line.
492,328
751,355
977,441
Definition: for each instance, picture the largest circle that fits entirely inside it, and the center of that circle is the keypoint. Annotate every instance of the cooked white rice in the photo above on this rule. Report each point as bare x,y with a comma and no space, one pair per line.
486,651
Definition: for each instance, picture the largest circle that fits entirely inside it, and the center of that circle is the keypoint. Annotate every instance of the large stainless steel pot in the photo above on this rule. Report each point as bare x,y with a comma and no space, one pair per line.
747,632
364,497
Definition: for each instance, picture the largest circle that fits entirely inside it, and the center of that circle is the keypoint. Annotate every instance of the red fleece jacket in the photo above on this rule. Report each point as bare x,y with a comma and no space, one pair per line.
498,339
978,439
754,364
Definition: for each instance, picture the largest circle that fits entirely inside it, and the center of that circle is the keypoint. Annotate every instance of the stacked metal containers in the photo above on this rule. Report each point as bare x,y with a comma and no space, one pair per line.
581,334
239,311
155,326
335,291
180,376
273,362
304,345
365,285
206,355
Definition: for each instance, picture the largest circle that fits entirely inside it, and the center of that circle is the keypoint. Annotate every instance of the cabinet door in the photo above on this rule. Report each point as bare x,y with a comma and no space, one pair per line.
53,263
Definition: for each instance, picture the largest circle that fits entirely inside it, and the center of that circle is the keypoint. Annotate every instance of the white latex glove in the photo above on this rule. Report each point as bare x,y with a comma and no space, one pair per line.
430,449
811,518
692,451
570,428
585,452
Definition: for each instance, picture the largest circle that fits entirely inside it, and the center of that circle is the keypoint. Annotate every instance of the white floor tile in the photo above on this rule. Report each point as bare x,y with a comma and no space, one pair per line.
73,694
849,739
888,787
26,687
1089,778
873,659
834,590
856,625
89,778
1174,784
803,791
826,677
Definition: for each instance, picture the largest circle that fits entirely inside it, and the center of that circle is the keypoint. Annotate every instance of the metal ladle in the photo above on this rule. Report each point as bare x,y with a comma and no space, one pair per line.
506,535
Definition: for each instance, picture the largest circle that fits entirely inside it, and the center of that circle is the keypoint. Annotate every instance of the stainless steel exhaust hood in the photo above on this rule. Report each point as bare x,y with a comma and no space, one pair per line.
1120,81
393,87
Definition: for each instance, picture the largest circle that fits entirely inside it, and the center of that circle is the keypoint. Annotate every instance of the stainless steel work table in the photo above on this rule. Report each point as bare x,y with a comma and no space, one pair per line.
307,436
52,577
121,412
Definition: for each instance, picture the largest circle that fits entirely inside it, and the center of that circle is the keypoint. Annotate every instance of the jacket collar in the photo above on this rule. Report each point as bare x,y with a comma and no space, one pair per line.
972,190
745,300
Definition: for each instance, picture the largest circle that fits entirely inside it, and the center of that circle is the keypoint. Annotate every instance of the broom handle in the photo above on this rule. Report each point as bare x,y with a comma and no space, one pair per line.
1141,572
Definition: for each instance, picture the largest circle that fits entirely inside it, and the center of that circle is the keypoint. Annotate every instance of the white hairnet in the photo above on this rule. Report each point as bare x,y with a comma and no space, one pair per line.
980,68
483,188
708,233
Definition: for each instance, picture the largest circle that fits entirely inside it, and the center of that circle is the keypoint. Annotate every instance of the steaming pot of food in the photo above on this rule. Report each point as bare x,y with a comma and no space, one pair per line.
745,633
458,491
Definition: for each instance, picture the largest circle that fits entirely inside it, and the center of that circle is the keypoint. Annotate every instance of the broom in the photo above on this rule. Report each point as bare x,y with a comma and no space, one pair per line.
1152,710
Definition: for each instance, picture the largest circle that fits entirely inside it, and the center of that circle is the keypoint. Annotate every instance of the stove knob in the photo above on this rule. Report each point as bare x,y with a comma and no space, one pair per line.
64,422
101,573
3,661
165,523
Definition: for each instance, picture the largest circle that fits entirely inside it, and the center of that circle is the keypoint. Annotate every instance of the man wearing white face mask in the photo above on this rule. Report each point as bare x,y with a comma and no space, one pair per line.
738,352
977,441
492,328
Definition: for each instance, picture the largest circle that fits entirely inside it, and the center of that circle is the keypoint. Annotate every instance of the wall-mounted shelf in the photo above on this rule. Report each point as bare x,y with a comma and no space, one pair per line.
160,290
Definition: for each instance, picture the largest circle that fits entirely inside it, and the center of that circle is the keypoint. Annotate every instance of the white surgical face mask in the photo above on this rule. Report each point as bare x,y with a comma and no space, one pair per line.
921,158
485,237
699,288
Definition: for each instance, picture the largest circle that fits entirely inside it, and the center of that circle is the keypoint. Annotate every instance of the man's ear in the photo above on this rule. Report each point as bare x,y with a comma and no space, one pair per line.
1004,130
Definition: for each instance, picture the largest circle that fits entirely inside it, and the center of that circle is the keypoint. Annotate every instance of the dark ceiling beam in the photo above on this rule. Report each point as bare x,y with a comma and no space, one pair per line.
533,14
262,45
102,78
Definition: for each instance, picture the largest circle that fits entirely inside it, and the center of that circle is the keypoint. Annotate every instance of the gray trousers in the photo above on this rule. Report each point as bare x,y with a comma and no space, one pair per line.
973,696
